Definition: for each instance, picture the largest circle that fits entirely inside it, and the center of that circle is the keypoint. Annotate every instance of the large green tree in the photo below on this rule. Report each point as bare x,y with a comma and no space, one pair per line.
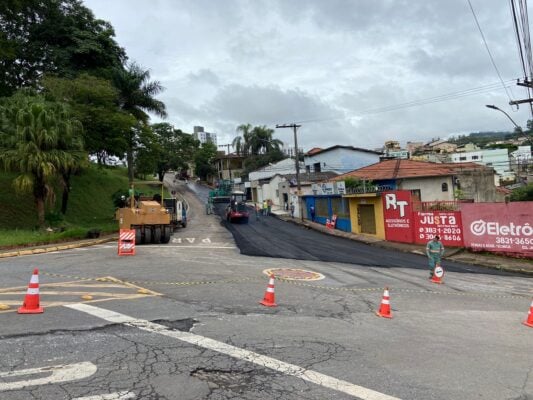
176,150
53,36
39,141
204,159
255,140
95,103
137,97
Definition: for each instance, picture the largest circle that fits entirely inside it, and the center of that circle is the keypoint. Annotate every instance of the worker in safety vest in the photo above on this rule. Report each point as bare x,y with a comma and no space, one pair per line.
434,251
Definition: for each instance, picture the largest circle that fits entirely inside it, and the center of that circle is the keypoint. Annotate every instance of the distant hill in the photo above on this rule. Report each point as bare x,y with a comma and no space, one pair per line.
481,138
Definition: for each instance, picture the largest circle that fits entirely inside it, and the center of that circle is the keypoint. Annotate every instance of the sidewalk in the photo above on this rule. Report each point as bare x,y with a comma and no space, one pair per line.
503,263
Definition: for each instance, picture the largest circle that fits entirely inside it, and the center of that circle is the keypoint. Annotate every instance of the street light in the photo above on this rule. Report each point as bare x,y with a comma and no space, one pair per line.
492,106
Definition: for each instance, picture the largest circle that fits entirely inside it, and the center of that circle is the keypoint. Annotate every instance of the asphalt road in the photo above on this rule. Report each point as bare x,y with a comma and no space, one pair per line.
268,236
197,330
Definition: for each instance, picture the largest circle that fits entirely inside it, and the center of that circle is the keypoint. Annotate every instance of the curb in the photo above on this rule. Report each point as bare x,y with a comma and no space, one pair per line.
56,247
383,244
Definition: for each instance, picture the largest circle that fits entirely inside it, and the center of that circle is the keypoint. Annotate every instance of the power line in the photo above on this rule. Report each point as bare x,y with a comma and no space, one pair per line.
413,103
488,50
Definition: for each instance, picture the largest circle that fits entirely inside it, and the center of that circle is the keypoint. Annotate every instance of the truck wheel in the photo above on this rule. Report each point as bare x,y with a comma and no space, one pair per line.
147,234
165,238
156,235
138,236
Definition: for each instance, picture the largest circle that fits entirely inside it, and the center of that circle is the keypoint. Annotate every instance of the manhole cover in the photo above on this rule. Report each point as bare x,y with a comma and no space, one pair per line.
294,274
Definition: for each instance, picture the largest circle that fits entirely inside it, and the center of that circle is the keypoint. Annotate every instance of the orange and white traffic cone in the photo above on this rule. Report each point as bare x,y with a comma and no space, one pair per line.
31,301
438,274
269,299
529,319
384,309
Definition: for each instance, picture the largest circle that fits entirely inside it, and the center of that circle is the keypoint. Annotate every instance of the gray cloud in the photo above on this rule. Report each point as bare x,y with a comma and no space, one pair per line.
226,63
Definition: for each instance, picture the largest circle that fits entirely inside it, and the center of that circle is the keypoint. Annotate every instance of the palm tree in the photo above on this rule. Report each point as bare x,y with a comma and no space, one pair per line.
241,144
136,97
33,144
263,142
255,140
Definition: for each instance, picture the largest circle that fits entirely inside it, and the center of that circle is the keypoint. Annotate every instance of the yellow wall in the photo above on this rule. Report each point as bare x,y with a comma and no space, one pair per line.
355,200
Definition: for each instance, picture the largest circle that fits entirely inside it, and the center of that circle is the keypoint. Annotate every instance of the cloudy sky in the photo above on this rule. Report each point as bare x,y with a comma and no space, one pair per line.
345,69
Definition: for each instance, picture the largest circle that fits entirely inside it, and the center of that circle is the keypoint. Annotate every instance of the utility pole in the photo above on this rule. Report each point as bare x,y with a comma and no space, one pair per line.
297,161
225,145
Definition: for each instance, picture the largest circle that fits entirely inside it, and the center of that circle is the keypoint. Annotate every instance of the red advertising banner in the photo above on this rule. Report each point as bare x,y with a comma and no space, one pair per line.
446,224
499,227
397,213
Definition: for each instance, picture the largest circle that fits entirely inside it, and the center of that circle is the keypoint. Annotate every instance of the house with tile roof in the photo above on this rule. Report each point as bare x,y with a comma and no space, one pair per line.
427,182
431,181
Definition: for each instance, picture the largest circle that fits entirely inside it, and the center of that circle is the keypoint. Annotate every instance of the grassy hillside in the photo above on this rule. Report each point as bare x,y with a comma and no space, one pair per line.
90,206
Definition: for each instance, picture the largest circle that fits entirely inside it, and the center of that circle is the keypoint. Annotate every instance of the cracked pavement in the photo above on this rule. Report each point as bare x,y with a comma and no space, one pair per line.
460,340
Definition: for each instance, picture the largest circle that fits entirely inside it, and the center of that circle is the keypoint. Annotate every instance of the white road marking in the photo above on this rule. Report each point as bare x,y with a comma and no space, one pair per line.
110,396
232,351
59,373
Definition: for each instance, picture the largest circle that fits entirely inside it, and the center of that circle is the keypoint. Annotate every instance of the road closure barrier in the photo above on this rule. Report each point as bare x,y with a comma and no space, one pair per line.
126,242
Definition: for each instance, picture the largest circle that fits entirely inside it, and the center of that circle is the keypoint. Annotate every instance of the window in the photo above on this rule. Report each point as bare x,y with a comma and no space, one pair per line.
321,207
463,158
308,169
316,167
475,157
444,187
340,207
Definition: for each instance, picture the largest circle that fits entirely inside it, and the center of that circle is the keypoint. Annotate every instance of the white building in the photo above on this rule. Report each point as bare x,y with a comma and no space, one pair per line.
203,136
496,158
340,159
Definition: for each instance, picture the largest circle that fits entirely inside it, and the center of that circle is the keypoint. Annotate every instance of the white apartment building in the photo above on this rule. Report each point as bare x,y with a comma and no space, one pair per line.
203,136
496,158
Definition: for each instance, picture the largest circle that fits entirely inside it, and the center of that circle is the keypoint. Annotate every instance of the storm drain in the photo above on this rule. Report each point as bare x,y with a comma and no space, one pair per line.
294,274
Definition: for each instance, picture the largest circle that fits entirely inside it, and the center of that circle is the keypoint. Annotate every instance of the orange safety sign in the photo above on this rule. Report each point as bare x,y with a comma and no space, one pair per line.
126,242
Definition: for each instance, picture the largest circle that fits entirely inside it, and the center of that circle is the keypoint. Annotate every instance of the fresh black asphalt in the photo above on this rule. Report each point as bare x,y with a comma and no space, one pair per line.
269,236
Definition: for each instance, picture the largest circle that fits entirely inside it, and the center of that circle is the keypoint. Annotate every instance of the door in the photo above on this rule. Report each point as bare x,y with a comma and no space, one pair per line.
367,218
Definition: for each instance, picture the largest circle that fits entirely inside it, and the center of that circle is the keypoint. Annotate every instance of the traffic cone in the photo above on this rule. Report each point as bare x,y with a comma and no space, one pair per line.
529,319
384,309
269,300
31,301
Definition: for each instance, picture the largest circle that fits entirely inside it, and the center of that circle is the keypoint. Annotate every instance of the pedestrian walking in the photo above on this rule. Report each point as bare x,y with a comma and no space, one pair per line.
265,208
312,212
269,206
292,210
434,251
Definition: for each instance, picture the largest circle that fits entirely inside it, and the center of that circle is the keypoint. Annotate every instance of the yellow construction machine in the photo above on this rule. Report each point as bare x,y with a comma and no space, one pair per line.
150,220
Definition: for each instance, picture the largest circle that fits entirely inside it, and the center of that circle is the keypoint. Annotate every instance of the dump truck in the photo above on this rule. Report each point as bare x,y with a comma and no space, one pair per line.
150,220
